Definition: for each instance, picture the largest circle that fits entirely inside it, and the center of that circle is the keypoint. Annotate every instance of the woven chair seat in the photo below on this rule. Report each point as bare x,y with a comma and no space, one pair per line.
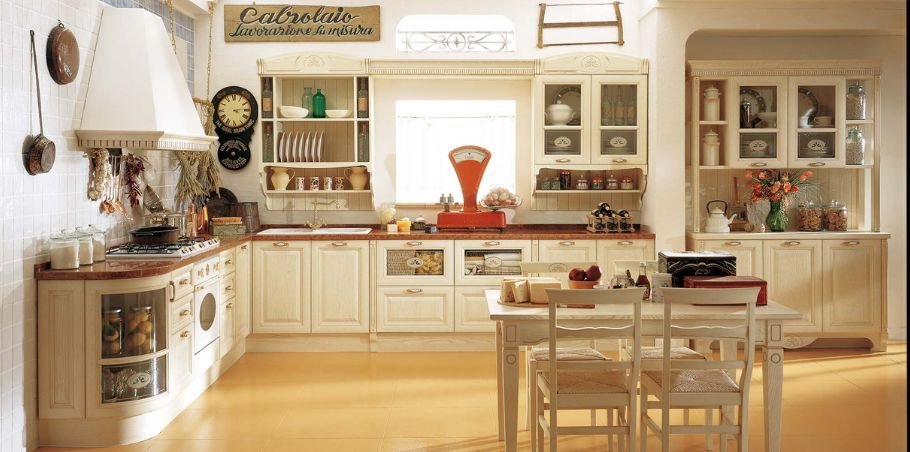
591,382
697,381
568,354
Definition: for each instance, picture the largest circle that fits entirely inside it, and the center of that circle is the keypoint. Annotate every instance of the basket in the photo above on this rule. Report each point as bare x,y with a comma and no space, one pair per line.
397,263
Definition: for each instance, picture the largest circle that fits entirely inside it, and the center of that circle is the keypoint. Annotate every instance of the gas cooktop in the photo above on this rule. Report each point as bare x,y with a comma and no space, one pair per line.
183,247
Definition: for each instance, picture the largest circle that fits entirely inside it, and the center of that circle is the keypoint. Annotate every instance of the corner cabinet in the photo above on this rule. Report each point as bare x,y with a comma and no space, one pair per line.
590,122
306,161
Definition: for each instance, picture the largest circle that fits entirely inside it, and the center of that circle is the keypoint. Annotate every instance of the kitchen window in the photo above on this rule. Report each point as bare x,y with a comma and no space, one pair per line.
426,130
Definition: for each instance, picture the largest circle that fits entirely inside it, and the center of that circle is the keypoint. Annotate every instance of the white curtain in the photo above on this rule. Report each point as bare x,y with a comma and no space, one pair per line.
427,130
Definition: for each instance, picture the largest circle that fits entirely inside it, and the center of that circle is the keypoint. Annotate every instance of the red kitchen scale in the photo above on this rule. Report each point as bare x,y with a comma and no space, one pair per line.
469,163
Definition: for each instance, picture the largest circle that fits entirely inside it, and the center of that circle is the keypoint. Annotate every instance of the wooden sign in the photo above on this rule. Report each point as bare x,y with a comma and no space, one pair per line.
300,23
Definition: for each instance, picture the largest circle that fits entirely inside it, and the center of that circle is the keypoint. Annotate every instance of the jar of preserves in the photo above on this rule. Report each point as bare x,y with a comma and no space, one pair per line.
626,183
140,330
581,184
64,251
856,101
835,217
111,332
612,183
597,183
855,146
810,217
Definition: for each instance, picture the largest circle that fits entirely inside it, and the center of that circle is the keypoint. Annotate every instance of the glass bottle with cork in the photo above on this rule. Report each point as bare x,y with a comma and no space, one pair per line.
642,280
363,101
267,98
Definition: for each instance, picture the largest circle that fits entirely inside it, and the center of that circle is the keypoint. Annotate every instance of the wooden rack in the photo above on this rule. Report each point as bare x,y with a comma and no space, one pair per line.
542,24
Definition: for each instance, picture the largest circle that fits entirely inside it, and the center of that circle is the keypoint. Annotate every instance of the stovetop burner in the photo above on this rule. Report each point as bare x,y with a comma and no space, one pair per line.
183,247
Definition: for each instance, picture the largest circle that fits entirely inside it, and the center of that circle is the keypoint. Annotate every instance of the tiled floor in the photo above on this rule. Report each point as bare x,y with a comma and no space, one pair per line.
834,400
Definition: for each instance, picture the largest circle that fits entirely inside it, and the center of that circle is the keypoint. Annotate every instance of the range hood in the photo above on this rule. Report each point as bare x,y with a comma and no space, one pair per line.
137,97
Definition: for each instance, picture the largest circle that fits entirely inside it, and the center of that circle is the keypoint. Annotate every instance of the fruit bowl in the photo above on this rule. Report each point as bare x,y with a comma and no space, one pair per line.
338,113
288,111
582,284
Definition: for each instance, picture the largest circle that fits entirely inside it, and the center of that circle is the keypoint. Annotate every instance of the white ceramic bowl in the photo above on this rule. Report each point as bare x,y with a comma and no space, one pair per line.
338,113
289,111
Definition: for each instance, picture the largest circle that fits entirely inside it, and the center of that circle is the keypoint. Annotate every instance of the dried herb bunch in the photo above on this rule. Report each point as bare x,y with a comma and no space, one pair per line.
133,169
199,176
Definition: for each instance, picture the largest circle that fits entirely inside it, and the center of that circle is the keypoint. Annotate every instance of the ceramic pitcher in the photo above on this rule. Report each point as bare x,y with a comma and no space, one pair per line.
280,178
357,176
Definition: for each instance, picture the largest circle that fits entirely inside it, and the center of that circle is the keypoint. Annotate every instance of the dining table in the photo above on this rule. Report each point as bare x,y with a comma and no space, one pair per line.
519,326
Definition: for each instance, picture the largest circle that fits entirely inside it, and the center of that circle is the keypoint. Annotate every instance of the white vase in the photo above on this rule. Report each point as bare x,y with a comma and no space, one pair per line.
357,176
280,178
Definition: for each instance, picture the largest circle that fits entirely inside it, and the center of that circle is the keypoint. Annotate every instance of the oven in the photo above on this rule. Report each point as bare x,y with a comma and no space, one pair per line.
206,298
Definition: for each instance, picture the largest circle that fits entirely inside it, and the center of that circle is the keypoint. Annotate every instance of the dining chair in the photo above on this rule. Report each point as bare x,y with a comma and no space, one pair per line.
708,384
589,384
535,354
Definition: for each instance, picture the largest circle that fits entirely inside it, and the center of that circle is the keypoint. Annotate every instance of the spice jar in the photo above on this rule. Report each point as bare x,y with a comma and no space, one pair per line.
856,101
99,243
855,146
86,249
810,217
626,183
835,217
64,250
419,224
612,183
565,180
111,332
581,184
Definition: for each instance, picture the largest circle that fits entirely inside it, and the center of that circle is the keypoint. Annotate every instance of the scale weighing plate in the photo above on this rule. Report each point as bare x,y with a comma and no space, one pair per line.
470,162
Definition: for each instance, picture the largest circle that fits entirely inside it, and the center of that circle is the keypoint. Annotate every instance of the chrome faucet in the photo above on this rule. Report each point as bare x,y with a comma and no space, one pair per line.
316,224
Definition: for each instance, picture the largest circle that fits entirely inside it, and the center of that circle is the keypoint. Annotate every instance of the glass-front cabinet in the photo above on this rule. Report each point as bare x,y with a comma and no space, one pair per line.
756,113
817,124
565,105
619,106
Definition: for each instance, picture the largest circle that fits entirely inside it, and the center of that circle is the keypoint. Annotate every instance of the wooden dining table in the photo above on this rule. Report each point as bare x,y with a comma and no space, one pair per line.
521,326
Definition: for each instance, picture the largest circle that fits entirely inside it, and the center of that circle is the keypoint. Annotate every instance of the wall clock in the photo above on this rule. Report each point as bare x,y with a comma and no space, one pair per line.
236,111
234,153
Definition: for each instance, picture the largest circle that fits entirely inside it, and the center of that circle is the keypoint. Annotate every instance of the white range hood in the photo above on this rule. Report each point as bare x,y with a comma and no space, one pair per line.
137,97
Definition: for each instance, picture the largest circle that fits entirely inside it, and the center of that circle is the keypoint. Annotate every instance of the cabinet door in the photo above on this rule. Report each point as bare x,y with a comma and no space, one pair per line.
793,269
341,286
759,140
852,285
415,309
471,312
566,251
562,115
485,262
415,262
281,284
180,359
748,254
61,349
817,124
619,116
243,284
611,251
228,329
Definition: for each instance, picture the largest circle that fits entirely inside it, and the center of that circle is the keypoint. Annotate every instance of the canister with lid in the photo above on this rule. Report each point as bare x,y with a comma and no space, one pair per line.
626,183
64,250
581,184
835,216
597,183
112,332
612,183
99,243
86,248
810,217
712,104
856,101
855,146
565,180
710,149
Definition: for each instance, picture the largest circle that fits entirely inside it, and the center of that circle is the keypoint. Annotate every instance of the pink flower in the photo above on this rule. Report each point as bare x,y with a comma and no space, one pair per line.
761,175
775,187
787,186
749,174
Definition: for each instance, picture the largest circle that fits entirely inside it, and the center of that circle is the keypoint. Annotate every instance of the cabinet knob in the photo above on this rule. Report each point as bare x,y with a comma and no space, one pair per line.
567,243
733,243
339,243
243,247
563,160
758,164
817,164
414,243
229,262
228,288
625,243
229,306
280,244
184,282
184,313
199,288
792,243
414,290
491,243
185,334
620,160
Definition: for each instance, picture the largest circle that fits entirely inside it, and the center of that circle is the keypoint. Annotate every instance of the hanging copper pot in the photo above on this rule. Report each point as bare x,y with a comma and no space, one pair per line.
62,54
41,153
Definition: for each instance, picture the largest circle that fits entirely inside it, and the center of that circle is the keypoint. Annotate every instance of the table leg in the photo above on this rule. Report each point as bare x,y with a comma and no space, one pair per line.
499,393
509,363
773,378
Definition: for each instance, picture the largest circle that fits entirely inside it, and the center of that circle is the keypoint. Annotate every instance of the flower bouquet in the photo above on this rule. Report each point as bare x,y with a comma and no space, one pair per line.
778,187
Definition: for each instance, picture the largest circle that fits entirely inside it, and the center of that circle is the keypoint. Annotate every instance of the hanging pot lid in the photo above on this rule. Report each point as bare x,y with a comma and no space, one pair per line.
62,54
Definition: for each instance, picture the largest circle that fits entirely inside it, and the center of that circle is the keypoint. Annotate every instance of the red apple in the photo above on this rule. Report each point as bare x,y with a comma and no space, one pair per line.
593,273
577,274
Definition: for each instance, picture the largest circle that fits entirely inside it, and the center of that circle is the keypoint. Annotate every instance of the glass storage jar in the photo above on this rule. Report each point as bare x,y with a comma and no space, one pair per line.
140,331
565,180
835,217
86,249
810,217
855,146
856,101
597,183
626,183
111,333
581,184
64,250
612,183
99,243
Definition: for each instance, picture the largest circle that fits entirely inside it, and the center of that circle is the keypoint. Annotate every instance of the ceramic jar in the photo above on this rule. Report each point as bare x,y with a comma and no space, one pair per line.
711,104
357,176
559,114
280,178
710,149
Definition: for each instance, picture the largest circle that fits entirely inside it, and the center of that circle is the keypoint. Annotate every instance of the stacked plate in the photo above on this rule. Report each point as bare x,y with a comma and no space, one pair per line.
301,146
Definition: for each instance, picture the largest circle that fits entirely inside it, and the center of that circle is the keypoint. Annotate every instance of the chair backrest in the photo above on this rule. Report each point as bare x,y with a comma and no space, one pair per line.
555,267
736,324
562,327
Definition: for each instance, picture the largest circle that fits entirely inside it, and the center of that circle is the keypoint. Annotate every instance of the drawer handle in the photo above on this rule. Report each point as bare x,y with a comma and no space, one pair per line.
184,282
339,243
229,306
229,262
563,160
491,243
620,160
414,243
173,289
817,164
199,288
851,243
792,243
185,334
280,244
243,247
758,164
228,288
567,243
733,243
414,290
184,313
217,267
625,243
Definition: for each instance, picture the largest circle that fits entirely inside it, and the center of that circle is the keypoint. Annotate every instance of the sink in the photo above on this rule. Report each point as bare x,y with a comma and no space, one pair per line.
306,231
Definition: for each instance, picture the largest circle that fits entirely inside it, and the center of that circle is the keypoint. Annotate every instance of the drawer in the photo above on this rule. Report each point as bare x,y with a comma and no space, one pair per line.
415,262
416,309
207,269
180,314
228,286
485,262
182,281
228,261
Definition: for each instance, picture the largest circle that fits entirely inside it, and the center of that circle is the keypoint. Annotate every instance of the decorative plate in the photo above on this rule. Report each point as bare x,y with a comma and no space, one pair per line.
806,107
754,98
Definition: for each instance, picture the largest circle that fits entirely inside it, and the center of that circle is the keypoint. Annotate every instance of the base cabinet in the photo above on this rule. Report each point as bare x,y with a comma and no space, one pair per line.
415,309
281,287
341,287
852,284
793,269
471,313
748,254
609,252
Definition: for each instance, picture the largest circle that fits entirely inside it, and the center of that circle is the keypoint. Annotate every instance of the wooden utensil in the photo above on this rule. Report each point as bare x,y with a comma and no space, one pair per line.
40,155
62,54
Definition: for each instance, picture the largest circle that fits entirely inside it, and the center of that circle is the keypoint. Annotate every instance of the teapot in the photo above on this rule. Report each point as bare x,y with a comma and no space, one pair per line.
716,220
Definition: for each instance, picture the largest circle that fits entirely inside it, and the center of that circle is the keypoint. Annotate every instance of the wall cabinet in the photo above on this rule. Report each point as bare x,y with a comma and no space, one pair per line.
341,286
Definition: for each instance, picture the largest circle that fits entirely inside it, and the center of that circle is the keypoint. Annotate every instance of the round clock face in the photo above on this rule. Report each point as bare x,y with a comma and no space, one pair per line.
236,111
234,153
